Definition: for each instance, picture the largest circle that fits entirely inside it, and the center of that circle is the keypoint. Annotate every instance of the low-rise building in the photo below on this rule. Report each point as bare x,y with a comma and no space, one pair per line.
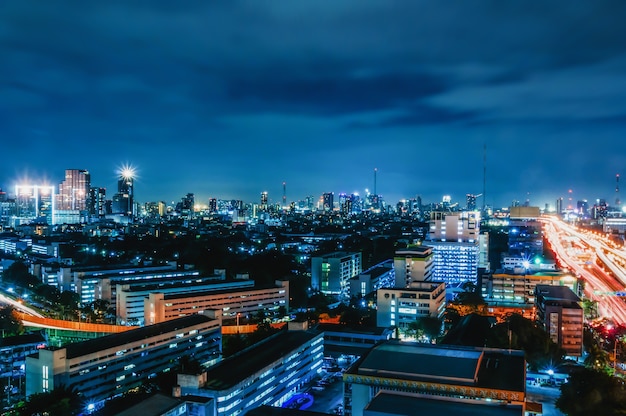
267,373
109,366
400,306
381,275
130,297
159,307
560,313
447,373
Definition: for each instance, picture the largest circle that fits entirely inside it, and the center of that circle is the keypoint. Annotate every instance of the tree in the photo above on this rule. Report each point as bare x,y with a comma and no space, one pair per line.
9,322
592,392
61,401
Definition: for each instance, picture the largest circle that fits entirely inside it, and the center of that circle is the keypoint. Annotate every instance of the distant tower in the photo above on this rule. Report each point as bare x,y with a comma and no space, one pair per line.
375,171
264,200
124,200
284,194
617,201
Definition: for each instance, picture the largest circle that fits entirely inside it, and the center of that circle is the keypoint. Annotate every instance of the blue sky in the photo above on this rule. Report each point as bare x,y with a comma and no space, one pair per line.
230,98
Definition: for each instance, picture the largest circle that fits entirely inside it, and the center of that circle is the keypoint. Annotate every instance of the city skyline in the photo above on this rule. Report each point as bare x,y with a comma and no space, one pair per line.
232,99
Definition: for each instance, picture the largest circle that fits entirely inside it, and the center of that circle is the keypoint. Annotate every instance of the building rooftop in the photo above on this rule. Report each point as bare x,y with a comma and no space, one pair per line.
79,349
446,364
556,293
232,290
187,282
375,272
238,367
418,405
337,255
156,405
266,410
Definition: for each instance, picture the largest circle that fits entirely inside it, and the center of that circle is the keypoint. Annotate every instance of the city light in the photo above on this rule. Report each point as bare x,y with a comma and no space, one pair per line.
128,172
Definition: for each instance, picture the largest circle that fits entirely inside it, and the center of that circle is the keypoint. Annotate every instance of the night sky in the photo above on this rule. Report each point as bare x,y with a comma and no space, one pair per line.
230,98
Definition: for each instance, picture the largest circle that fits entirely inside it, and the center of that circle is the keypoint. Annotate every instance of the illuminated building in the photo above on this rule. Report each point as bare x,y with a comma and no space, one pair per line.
402,305
520,288
264,201
331,273
109,366
268,373
96,203
413,264
123,201
474,379
453,237
559,312
327,201
131,296
34,203
74,190
159,306
525,232
379,276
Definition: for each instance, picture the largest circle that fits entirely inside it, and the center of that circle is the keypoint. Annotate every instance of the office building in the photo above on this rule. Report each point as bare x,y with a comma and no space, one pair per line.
454,238
74,190
379,276
468,375
402,305
34,203
123,204
520,288
331,273
414,264
525,232
159,307
560,313
130,296
268,373
96,203
109,366
328,201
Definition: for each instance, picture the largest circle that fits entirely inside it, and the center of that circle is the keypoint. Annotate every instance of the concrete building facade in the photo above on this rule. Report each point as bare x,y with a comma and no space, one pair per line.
109,366
331,273
413,264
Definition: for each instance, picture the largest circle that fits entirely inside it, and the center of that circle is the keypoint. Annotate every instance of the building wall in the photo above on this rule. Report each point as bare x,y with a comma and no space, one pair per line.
455,262
401,306
520,288
114,370
331,274
413,265
271,385
130,302
159,307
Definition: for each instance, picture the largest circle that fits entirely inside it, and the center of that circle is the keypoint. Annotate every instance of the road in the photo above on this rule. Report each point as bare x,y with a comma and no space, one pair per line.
579,250
19,306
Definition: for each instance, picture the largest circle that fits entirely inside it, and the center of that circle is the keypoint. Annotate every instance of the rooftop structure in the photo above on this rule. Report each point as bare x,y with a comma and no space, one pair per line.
481,374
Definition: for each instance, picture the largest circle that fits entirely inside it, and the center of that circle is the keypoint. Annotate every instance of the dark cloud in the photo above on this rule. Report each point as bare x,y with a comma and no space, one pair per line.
251,92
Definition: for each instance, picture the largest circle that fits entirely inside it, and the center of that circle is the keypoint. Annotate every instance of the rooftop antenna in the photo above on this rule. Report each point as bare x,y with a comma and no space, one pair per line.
617,201
484,174
284,194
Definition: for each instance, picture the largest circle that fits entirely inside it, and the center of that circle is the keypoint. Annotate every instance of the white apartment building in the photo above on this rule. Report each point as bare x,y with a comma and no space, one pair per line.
331,273
414,264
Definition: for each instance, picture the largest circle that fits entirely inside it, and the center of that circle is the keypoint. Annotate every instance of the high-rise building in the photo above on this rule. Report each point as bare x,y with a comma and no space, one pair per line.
212,205
34,203
123,200
454,239
74,190
327,201
525,232
264,201
96,202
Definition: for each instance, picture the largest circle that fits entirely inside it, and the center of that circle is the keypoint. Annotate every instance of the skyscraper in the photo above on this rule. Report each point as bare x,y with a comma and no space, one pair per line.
328,201
123,200
74,190
34,203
